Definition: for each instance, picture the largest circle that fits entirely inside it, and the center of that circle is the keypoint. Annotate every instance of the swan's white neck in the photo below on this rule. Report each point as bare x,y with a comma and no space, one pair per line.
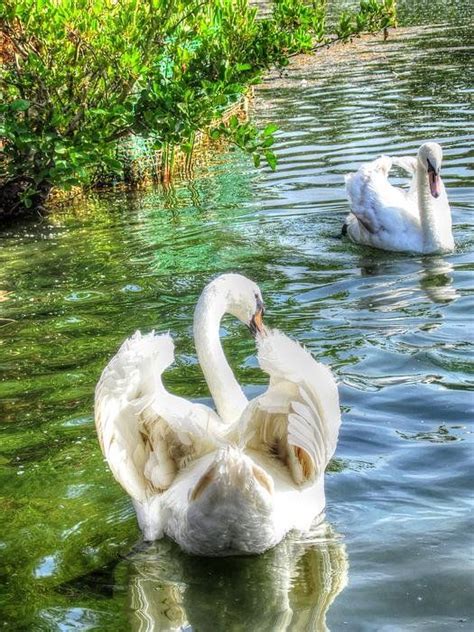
228,397
435,215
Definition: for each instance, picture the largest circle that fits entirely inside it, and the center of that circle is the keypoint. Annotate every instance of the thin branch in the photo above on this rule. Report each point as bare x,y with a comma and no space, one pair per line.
74,121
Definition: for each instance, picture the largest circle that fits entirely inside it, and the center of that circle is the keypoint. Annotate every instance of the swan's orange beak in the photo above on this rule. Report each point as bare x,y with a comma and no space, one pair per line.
256,324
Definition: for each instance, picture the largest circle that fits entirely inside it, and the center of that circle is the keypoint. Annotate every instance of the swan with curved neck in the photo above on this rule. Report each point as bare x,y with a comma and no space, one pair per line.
387,217
233,482
228,294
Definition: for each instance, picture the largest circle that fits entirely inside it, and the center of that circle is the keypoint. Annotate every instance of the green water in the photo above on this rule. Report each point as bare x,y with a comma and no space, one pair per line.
396,553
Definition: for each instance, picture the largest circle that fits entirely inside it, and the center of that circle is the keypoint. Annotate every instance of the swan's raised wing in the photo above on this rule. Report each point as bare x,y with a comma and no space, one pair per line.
297,419
407,163
374,201
147,434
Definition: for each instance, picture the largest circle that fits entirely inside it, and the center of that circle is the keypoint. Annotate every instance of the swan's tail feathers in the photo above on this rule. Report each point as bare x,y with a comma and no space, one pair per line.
149,518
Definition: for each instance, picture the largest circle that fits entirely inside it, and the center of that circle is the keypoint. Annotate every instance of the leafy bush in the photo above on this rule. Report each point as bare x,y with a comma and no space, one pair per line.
80,74
373,15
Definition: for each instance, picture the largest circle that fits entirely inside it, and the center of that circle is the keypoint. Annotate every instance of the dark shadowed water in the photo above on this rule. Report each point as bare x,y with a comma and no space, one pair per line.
396,553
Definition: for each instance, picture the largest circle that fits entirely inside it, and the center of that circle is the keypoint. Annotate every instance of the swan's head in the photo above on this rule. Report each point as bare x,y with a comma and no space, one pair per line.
431,155
240,297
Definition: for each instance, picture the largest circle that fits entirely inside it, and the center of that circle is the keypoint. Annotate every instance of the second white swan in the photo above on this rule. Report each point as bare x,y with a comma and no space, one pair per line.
415,220
235,481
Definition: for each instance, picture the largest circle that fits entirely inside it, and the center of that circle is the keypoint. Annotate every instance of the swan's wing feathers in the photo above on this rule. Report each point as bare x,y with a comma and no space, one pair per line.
363,199
305,431
147,434
382,164
178,430
279,356
122,443
298,417
375,202
407,163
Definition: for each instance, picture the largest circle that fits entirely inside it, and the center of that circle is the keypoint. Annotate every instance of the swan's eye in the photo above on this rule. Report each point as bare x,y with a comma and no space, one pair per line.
259,307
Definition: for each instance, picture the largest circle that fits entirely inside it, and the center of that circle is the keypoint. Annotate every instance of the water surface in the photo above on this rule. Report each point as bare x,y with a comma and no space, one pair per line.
396,329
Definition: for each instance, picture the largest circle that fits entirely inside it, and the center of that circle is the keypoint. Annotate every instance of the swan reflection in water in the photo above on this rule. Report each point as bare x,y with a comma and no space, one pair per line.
437,281
433,274
290,587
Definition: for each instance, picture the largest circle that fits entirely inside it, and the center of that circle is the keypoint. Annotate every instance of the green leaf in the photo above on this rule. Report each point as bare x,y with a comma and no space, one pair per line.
270,129
113,164
271,159
20,105
242,67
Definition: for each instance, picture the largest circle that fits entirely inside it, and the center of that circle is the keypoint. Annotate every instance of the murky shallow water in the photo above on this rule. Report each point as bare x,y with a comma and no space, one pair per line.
397,554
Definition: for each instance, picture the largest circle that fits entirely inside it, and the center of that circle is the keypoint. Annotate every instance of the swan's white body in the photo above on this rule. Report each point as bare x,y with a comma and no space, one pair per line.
416,220
236,482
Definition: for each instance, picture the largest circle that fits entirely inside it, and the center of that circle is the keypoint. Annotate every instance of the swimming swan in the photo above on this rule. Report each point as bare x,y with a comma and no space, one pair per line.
235,481
387,217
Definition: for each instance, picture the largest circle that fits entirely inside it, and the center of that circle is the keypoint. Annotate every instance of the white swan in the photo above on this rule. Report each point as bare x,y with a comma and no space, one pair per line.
236,482
387,217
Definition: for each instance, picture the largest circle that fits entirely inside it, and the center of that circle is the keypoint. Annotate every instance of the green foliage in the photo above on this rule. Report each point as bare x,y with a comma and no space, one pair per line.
300,21
70,81
247,137
81,74
373,15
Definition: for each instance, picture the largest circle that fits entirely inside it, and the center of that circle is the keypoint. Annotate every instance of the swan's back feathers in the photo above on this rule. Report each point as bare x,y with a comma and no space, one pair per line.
297,419
147,434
